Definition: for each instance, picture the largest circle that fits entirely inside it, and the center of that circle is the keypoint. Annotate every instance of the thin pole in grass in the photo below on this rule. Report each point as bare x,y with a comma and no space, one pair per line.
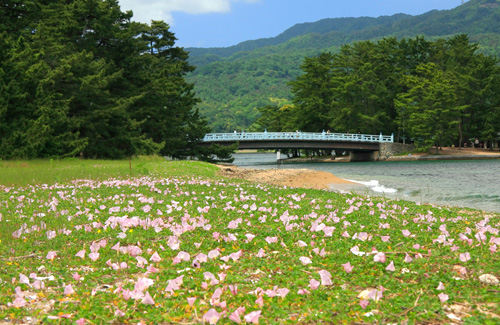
130,166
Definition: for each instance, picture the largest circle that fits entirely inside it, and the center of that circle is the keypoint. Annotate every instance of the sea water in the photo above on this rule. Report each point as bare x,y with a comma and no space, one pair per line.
463,183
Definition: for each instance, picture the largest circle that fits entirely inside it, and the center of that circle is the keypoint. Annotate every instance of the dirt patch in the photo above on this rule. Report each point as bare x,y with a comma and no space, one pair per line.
303,178
464,151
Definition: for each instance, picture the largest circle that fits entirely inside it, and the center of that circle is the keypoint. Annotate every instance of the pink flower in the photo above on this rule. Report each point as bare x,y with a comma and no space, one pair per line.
141,261
148,300
211,316
94,256
80,321
364,303
464,257
253,317
355,250
261,253
326,278
443,297
51,255
301,243
391,267
191,301
217,293
379,257
235,317
39,285
271,293
305,260
119,313
19,292
347,267
68,290
283,292
81,254
408,259
385,239
406,233
155,258
19,302
376,294
24,279
314,284
183,256
233,289
249,237
260,301
202,258
213,254
142,284
440,286
270,240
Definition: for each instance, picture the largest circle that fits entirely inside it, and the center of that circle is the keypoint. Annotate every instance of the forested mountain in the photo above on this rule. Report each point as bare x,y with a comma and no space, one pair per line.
233,82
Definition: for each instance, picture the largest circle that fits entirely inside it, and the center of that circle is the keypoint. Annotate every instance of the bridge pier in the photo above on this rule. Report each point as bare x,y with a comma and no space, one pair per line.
363,155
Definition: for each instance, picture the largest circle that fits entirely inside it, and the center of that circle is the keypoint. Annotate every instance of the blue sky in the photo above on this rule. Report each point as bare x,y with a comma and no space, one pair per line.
221,23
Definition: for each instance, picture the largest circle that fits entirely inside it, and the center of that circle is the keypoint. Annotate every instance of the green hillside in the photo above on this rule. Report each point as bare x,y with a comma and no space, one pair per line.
232,82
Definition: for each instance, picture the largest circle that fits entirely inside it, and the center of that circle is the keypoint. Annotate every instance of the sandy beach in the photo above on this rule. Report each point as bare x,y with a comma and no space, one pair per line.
304,178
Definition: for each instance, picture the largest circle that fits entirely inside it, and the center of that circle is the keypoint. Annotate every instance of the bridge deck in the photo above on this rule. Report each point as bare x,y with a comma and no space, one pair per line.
324,136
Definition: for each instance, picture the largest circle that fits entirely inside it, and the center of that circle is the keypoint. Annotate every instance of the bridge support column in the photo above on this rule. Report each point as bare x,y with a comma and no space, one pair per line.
364,155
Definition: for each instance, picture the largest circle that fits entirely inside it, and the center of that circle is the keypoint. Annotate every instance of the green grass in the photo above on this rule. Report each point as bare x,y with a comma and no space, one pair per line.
166,204
24,172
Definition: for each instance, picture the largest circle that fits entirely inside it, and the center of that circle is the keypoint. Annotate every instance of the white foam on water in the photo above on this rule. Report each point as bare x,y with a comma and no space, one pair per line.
375,186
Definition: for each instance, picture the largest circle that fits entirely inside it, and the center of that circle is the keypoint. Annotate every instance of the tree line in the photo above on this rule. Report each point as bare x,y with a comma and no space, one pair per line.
79,78
440,92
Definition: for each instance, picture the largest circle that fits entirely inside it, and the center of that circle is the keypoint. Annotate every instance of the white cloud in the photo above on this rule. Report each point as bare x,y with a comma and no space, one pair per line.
147,10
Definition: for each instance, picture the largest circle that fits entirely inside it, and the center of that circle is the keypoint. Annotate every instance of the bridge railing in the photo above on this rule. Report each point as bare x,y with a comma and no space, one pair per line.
246,136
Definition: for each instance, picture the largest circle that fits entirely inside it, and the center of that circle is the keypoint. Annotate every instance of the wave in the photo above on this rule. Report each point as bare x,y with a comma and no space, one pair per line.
375,186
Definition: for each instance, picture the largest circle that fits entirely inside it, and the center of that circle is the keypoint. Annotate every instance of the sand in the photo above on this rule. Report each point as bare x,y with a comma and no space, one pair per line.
303,178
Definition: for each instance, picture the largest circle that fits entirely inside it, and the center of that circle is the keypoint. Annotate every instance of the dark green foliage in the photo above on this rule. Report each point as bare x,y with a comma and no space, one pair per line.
438,91
218,153
78,78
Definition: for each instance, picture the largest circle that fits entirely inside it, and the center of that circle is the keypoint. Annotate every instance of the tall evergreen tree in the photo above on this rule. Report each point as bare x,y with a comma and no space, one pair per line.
313,96
433,113
82,78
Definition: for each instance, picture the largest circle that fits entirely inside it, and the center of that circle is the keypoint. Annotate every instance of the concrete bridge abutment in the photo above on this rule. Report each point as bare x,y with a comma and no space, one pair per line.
363,155
385,151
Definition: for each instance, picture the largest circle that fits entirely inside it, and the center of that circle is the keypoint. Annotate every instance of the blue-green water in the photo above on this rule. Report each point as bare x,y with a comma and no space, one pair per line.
464,183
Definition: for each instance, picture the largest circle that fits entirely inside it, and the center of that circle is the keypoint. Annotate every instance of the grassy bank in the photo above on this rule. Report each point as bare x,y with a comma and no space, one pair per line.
175,243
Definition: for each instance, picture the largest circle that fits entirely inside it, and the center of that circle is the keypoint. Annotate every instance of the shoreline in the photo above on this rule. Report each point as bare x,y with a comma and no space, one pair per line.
313,179
321,180
443,154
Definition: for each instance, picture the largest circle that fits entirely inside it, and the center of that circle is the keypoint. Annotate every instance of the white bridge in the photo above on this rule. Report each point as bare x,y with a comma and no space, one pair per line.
361,147
294,136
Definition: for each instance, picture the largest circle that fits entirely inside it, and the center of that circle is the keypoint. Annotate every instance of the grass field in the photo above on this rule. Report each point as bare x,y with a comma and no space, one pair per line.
153,242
